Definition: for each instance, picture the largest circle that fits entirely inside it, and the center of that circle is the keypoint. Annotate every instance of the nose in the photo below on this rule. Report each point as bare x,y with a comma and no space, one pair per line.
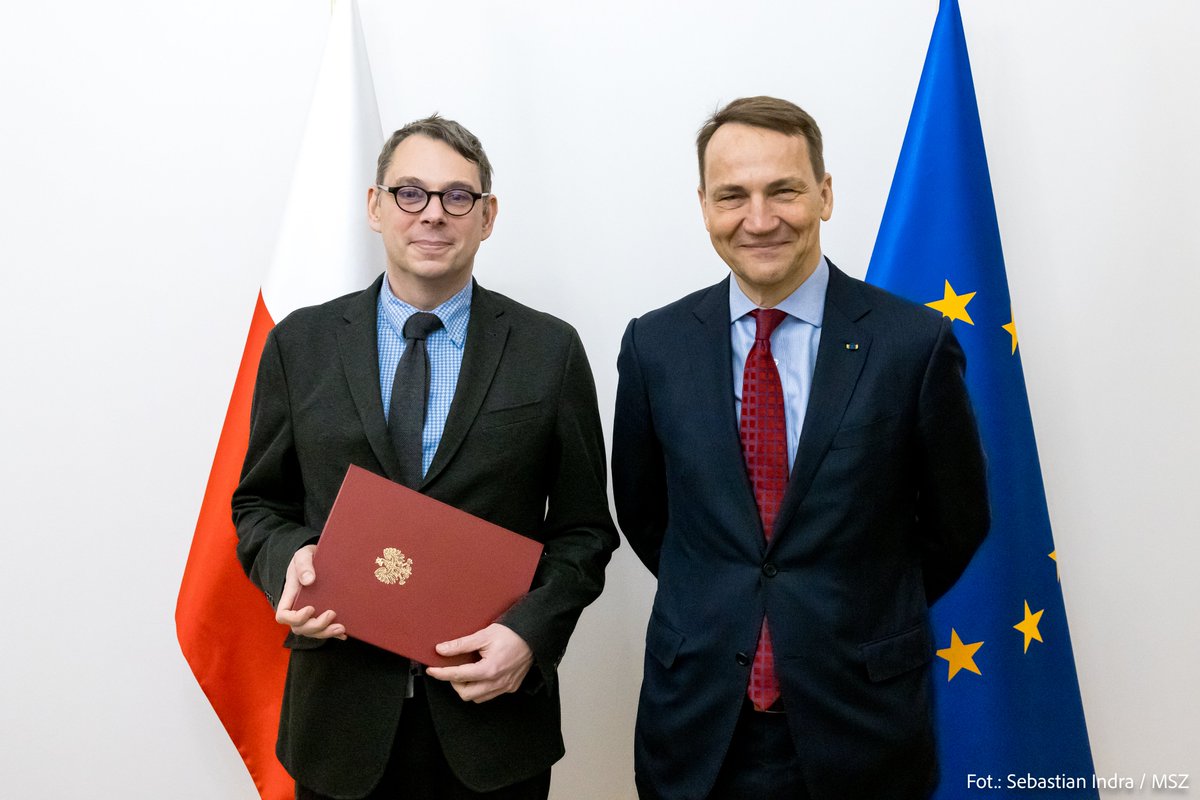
759,217
433,213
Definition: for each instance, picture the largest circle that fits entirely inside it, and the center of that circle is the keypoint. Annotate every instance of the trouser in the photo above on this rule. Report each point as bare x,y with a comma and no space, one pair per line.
417,769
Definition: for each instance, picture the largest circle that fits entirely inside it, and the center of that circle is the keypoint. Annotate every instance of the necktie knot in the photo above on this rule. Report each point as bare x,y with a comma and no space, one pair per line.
766,321
420,325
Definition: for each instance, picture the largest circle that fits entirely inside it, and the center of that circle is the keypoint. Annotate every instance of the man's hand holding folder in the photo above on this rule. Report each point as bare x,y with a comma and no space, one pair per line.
305,621
504,661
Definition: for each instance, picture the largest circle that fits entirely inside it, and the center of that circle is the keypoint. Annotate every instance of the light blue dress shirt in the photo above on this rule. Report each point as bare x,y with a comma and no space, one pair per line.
445,349
793,344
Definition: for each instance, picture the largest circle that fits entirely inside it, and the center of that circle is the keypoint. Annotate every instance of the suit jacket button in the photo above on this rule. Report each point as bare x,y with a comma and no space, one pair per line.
770,570
742,659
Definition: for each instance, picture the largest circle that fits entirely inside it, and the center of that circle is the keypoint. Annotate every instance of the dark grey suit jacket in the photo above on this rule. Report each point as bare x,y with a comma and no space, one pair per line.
885,506
522,448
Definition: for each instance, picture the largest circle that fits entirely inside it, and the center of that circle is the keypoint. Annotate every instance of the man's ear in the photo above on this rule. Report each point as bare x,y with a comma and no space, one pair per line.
373,219
703,206
491,207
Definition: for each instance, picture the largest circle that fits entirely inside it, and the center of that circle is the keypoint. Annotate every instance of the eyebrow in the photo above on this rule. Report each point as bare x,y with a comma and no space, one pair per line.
411,180
792,182
788,182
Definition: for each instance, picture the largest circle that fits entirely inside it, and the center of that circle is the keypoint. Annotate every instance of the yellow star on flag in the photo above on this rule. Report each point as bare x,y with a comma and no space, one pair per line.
1054,558
1012,331
953,305
1029,626
960,656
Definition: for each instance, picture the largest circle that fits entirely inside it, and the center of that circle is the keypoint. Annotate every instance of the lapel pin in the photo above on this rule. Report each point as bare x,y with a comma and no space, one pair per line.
851,345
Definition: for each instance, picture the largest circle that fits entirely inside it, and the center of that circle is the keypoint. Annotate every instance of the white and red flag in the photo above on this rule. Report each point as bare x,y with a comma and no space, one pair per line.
225,626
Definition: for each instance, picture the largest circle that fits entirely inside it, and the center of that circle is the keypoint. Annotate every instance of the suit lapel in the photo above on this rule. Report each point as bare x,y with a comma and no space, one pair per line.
840,358
714,381
486,337
358,344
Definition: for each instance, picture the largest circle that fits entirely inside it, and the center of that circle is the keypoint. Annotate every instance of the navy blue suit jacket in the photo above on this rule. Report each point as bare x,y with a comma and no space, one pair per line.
885,505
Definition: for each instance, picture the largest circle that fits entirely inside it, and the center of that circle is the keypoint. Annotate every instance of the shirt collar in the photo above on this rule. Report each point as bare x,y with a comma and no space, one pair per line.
806,303
455,313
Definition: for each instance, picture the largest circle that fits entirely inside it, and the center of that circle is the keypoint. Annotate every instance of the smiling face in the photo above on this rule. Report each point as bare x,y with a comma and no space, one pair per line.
763,207
430,254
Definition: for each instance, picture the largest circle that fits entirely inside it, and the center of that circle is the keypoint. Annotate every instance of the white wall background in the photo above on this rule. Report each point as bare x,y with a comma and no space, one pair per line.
145,150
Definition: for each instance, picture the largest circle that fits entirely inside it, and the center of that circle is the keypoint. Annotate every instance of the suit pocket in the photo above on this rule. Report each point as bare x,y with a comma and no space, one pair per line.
860,435
896,654
663,642
510,414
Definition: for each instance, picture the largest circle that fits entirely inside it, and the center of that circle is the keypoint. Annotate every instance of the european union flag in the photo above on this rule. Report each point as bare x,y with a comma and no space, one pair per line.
1007,699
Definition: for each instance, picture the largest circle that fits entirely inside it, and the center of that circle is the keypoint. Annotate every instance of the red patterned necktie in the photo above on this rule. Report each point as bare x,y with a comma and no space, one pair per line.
764,446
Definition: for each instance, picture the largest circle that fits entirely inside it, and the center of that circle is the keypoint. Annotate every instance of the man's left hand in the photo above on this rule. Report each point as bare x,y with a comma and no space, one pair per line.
504,660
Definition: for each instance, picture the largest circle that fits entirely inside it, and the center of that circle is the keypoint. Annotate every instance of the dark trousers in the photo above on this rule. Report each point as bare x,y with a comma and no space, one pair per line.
417,769
762,762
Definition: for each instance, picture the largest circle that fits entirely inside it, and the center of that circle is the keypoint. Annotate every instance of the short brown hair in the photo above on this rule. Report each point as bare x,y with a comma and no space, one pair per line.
770,113
452,133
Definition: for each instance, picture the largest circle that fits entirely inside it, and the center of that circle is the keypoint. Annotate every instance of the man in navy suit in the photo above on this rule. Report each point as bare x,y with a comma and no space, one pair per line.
796,459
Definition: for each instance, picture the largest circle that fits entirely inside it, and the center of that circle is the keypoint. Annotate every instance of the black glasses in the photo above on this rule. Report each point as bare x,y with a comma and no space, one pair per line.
413,199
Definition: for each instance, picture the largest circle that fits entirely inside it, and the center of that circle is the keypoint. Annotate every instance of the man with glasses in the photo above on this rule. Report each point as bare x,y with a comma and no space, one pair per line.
795,458
505,426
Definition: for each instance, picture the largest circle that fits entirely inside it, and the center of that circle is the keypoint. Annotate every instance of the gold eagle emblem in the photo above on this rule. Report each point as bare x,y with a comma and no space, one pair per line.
393,567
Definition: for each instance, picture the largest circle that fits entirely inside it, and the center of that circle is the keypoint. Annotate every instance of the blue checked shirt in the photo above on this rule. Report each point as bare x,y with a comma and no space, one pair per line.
445,348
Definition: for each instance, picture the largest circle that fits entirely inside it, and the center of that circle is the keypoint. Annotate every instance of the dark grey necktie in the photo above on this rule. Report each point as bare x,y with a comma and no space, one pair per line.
410,396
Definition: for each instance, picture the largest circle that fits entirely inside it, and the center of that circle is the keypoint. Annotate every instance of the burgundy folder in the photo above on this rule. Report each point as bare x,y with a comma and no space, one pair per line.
405,572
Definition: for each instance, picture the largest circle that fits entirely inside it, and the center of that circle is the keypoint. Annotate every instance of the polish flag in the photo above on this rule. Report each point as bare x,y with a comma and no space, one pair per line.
226,627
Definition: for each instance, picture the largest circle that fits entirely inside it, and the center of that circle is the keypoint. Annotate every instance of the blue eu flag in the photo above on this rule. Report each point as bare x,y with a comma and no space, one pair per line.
1008,709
